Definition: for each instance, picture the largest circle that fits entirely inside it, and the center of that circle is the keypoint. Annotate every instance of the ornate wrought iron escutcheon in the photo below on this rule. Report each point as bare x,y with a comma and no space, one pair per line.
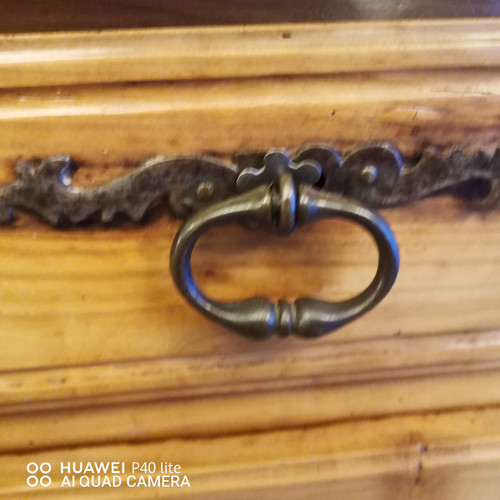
266,188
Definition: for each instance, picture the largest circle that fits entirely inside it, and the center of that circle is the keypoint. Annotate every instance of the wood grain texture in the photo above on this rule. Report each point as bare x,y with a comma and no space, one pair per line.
446,456
95,295
101,357
301,367
261,407
90,296
245,51
118,125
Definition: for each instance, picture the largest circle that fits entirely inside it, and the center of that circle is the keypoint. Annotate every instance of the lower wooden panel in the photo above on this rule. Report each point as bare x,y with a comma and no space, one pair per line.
86,422
445,456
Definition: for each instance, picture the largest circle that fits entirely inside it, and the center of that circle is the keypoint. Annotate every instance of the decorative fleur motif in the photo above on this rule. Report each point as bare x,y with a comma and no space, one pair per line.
276,163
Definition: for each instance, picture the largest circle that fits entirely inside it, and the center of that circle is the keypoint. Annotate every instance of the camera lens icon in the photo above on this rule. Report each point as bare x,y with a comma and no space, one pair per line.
33,480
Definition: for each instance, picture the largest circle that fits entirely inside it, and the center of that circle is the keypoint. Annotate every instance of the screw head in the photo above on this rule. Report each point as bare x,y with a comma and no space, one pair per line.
205,191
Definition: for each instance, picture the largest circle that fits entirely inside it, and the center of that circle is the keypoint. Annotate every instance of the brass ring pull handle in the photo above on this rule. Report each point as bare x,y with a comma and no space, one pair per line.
285,207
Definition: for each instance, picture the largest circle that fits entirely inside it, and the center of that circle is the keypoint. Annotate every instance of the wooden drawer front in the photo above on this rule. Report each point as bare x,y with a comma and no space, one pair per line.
99,348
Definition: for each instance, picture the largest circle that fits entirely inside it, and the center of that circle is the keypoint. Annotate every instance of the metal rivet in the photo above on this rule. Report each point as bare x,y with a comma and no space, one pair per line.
369,174
205,191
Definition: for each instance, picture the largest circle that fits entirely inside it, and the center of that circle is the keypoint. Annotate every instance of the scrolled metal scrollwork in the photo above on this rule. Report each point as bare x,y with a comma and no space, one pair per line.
187,183
375,174
273,189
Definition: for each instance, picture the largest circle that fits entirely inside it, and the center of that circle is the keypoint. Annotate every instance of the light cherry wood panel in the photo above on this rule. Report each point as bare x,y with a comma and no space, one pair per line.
100,350
302,366
93,295
257,409
237,51
116,124
446,456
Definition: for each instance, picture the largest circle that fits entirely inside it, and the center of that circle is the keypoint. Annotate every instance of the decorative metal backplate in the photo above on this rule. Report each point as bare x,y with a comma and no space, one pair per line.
375,174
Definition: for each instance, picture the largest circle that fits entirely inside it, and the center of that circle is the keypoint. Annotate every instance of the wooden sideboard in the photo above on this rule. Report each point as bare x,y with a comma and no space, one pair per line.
102,360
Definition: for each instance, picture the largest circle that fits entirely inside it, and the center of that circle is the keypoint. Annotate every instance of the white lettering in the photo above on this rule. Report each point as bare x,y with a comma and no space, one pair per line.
154,482
116,469
164,481
88,468
66,482
79,470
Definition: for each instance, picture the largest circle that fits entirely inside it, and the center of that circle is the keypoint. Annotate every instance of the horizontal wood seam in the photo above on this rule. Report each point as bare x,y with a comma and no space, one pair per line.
249,432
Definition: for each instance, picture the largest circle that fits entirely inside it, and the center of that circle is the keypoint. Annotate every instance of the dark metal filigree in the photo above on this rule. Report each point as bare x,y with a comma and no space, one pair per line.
187,183
375,174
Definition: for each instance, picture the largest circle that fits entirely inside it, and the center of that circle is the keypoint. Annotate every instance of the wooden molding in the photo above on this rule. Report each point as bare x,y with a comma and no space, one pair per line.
246,51
301,367
445,456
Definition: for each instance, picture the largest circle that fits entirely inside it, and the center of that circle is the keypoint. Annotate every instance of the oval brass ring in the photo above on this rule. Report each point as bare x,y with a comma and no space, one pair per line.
284,208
